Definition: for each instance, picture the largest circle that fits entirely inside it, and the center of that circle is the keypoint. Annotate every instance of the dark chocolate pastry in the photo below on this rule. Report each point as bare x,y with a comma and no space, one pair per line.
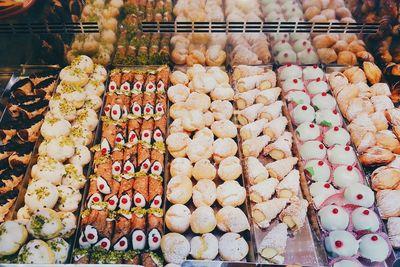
10,179
30,130
46,86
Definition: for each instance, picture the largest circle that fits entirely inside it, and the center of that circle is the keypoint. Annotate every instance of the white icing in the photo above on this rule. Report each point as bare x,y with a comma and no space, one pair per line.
359,194
336,136
299,97
125,202
138,239
333,217
374,247
329,118
122,244
324,101
112,202
91,234
303,113
312,150
154,239
348,244
104,243
103,186
318,172
157,202
365,219
307,131
156,168
341,155
344,176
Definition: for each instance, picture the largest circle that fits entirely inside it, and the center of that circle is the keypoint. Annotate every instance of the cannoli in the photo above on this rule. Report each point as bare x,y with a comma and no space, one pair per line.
22,87
290,185
152,259
256,172
9,179
281,148
155,224
246,99
141,191
30,132
275,128
263,191
81,256
252,130
115,81
263,213
122,229
99,228
262,81
162,80
273,245
271,111
280,168
125,194
253,147
138,227
249,114
295,214
126,82
269,96
138,82
109,134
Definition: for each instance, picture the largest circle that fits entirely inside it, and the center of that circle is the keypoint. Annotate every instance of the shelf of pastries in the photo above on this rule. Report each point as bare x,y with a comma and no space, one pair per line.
271,171
122,221
342,49
373,125
135,47
48,207
206,207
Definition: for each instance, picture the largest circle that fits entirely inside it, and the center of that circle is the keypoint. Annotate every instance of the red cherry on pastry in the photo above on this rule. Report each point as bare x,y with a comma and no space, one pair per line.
366,212
158,134
338,243
288,65
115,112
312,125
96,199
156,202
315,66
318,79
112,87
374,238
327,185
104,150
334,112
139,238
137,86
137,200
295,80
349,168
117,168
156,168
360,196
133,136
324,93
347,148
145,165
107,109
146,134
320,163
155,239
104,244
111,202
128,168
122,243
136,109
309,50
84,239
336,128
321,146
118,139
125,87
151,86
101,186
90,236
147,110
159,109
304,107
124,201
335,211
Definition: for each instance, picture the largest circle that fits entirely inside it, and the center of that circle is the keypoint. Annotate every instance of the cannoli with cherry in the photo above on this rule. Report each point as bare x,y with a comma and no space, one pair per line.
126,82
146,132
151,84
138,83
138,229
156,179
119,107
120,240
115,81
98,228
155,224
162,81
108,137
81,256
120,138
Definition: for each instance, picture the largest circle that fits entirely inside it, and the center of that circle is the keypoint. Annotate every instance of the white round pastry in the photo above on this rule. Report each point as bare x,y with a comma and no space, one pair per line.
61,148
321,191
81,157
74,76
344,176
203,220
204,193
23,215
232,247
12,236
313,73
224,148
48,169
53,127
231,193
62,109
222,109
374,248
93,101
329,118
312,150
179,77
80,135
69,198
68,221
333,217
323,101
60,248
218,74
224,129
44,224
198,149
175,248
208,118
193,120
290,72
336,136
182,167
204,247
179,189
41,194
318,170
83,63
307,131
347,263
178,93
74,176
94,87
317,87
359,194
229,168
36,252
99,73
230,219
205,133
341,155
298,97
177,218
222,93
300,45
286,56
293,85
71,93
198,101
204,169
177,143
177,110
86,118
281,46
365,219
303,113
341,244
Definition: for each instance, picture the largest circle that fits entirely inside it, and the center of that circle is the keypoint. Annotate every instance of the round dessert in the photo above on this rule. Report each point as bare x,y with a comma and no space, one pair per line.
323,101
333,217
344,176
321,191
318,170
303,113
308,56
286,56
347,263
341,155
60,248
68,221
204,247
231,193
360,195
365,219
317,87
281,46
36,252
44,224
300,45
293,85
232,247
313,73
312,150
41,194
175,247
307,131
341,244
327,117
230,219
177,218
204,169
298,97
290,72
204,193
374,247
203,220
179,189
12,236
336,136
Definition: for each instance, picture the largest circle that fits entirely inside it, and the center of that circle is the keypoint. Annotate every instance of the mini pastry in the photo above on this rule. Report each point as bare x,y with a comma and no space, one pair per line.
301,45
281,148
298,97
229,168
231,193
246,99
249,114
182,167
344,176
36,252
224,148
382,103
388,202
60,248
177,143
230,219
303,113
48,169
312,150
74,177
177,110
175,248
336,136
262,81
271,111
256,172
81,157
193,120
263,191
60,148
347,263
328,118
177,218
294,216
68,221
320,192
52,128
204,193
232,247
341,244
280,168
341,155
178,77
263,213
199,149
323,101
178,93
179,189
94,87
393,226
12,236
203,169
204,247
307,131
313,73
253,147
41,194
69,198
290,72
268,96
273,245
203,220
224,129
204,133
219,75
317,170
333,217
376,156
62,109
317,87
365,219
44,224
359,194
222,93
80,135
252,130
222,109
374,248
295,84
198,101
286,56
73,94
74,76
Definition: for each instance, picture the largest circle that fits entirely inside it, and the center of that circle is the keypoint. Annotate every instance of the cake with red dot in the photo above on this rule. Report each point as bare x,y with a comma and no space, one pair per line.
344,176
295,84
317,170
341,244
360,195
365,219
316,87
374,248
323,101
336,136
312,150
333,217
307,131
303,113
313,73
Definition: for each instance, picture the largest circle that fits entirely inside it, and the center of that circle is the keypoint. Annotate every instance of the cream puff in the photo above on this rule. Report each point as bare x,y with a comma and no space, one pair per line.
230,219
224,148
317,170
229,168
204,169
198,149
74,176
48,169
193,120
222,109
204,193
178,93
80,135
204,247
290,72
177,218
341,244
179,77
175,248
94,87
222,93
81,157
333,217
53,127
365,219
182,167
179,189
233,247
86,118
69,198
68,221
60,148
177,143
231,193
203,220
198,101
224,129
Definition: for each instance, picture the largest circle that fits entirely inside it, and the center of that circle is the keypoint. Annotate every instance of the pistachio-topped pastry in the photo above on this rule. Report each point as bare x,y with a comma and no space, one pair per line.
54,127
60,249
74,176
36,252
74,76
48,169
12,236
44,224
41,194
72,93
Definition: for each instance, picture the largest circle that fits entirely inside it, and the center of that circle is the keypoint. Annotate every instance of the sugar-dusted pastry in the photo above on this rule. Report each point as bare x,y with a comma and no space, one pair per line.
199,148
198,101
204,193
298,97
204,247
204,169
273,245
232,247
365,219
253,147
177,218
178,77
263,191
181,166
53,127
204,133
376,156
256,172
281,148
177,143
231,219
341,243
231,193
252,130
280,168
317,170
344,176
294,216
321,191
36,252
178,93
222,109
317,87
290,185
179,189
223,92
229,168
313,73
245,99
262,81
249,114
312,150
393,226
359,194
193,120
276,127
303,113
293,85
341,155
48,169
290,72
382,103
333,217
307,131
223,148
175,248
374,248
12,236
203,220
268,96
388,203
336,136
323,101
224,129
263,213
329,118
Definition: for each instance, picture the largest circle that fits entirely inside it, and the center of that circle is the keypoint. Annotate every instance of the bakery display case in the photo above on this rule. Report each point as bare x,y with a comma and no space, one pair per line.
200,133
